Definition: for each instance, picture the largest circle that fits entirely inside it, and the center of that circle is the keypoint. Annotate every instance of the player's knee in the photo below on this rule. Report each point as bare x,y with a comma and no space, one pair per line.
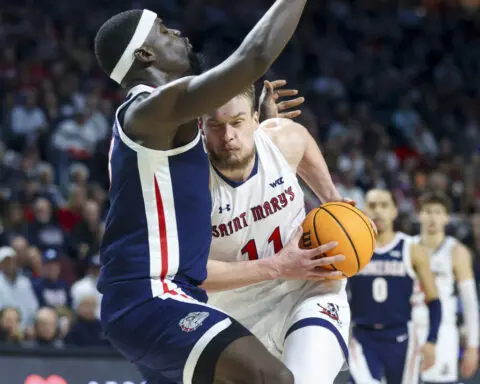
268,374
247,361
257,374
267,369
280,375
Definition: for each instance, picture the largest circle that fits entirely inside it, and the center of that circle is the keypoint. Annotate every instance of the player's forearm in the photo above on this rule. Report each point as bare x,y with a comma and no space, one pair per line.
223,276
247,64
314,171
187,98
468,295
435,319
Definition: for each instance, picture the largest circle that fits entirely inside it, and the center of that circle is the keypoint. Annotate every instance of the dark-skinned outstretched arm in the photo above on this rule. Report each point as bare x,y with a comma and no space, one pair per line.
188,98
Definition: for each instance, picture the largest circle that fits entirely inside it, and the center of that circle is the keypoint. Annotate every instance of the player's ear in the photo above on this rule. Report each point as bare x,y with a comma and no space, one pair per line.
255,118
145,55
395,213
201,124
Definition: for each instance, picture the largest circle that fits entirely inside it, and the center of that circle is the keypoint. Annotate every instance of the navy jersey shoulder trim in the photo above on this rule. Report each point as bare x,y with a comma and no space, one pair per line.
123,108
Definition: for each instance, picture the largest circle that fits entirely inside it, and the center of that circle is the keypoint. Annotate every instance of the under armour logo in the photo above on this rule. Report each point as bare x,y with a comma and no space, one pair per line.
222,209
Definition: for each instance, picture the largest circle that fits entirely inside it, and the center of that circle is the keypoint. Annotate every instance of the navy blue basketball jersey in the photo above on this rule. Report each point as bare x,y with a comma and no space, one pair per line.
380,294
158,228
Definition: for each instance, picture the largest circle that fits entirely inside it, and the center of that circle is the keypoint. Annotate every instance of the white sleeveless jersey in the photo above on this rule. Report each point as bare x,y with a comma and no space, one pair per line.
441,264
254,220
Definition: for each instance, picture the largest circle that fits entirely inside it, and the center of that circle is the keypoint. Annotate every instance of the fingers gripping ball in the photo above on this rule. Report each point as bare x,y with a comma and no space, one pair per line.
346,225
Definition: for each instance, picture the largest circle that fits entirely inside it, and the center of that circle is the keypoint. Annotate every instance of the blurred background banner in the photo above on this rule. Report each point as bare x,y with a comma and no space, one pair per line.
47,366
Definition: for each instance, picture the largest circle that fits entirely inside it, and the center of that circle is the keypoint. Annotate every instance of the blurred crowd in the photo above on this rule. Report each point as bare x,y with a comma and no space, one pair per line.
392,96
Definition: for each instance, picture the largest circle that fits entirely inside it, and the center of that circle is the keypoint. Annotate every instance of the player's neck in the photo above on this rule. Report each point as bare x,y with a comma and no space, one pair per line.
432,241
385,238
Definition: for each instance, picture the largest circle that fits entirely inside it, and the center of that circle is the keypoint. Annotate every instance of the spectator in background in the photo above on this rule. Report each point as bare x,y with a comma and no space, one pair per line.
46,329
34,268
71,214
29,191
10,331
348,188
15,289
50,290
47,188
27,121
88,285
87,330
24,254
100,196
97,118
85,236
77,137
43,232
406,118
424,142
9,174
79,174
15,223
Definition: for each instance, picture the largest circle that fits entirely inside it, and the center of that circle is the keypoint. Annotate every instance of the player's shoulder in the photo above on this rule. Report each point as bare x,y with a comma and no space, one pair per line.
460,249
274,123
403,236
407,239
146,104
417,250
286,134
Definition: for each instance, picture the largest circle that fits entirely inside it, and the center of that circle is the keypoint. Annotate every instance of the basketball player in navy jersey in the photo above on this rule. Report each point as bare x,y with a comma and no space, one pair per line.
158,229
384,344
451,263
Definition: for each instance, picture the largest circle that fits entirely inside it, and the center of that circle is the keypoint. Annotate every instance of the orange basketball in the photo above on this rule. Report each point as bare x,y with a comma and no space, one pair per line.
346,225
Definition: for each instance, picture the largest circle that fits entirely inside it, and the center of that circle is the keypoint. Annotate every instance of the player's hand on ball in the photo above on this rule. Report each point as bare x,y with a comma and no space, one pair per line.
269,105
469,364
294,263
428,353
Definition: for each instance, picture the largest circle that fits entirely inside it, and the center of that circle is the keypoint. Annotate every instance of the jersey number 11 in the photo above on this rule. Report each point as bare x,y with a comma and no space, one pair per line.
251,247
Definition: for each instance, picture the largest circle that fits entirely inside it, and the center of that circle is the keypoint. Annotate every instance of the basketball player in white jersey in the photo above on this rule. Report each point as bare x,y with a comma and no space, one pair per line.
451,263
257,208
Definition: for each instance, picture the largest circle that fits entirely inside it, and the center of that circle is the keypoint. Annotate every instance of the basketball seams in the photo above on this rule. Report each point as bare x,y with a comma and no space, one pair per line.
315,227
347,234
369,226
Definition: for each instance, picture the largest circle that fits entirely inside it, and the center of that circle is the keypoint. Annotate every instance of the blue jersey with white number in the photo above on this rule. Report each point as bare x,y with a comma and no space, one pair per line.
381,292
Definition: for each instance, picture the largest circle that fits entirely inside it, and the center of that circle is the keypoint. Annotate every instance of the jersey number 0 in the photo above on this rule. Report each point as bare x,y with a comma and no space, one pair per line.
251,247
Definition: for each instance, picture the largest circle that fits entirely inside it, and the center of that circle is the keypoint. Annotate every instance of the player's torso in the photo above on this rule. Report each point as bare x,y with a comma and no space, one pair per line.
381,292
157,234
441,264
256,218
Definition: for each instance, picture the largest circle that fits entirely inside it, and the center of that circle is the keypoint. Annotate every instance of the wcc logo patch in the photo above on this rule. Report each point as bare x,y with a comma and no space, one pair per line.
331,310
192,321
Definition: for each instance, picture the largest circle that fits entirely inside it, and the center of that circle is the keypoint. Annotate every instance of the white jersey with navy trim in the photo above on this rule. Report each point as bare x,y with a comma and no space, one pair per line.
254,219
441,264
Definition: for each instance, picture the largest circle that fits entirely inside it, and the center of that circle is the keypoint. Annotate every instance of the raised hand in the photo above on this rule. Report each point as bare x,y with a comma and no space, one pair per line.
269,105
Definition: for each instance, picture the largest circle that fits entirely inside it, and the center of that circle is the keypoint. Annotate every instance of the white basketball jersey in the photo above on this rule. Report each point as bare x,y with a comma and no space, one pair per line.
252,220
441,264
